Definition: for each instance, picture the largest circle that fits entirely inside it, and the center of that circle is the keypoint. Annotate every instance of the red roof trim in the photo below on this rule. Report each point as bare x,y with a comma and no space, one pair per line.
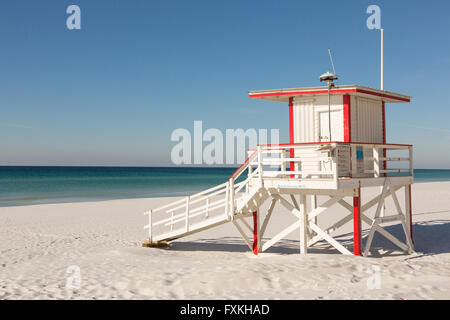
297,93
330,142
383,95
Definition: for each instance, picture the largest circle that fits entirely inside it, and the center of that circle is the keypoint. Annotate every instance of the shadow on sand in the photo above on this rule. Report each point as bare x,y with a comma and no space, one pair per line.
430,238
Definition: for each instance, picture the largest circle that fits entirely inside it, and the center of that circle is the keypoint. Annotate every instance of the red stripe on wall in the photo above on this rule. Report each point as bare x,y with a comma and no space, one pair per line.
291,130
291,120
347,119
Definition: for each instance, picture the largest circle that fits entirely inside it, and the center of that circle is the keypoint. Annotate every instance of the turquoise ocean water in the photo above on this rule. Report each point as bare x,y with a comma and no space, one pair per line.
34,185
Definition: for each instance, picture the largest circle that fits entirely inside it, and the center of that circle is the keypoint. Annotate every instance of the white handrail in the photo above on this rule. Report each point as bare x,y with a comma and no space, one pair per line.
193,214
199,200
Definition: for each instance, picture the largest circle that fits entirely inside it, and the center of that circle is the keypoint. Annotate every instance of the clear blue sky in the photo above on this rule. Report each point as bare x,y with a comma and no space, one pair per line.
113,92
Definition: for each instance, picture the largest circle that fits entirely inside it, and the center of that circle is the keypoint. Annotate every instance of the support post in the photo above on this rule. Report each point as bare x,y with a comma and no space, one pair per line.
255,233
408,213
303,226
357,222
314,206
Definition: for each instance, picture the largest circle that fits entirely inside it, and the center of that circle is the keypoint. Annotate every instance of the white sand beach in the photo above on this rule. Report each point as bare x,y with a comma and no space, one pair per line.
38,243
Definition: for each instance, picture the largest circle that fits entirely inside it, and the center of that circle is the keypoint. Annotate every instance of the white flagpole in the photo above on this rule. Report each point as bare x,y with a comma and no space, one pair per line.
382,59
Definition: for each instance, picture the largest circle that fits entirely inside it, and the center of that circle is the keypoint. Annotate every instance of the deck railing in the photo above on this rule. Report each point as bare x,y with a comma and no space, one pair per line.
330,160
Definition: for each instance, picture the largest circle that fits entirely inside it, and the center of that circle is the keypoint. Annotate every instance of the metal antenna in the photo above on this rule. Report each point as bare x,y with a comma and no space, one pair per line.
329,78
331,59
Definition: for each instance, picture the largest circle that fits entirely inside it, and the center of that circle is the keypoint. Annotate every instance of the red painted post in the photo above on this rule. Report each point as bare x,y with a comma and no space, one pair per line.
291,132
357,224
255,232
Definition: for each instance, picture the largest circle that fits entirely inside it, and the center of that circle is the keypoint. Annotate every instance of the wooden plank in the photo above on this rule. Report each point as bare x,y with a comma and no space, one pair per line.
267,218
246,224
244,236
294,202
281,235
329,239
391,238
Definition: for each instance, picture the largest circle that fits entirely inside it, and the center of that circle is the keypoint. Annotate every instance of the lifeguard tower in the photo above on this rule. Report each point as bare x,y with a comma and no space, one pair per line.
337,148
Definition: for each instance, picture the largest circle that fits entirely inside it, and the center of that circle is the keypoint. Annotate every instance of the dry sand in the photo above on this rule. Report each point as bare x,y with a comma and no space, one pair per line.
39,243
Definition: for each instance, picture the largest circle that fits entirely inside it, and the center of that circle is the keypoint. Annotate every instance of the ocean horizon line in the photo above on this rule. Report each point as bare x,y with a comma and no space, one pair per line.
27,185
155,166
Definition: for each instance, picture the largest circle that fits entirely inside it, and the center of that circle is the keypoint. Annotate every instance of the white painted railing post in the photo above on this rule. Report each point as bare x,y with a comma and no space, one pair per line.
354,163
260,166
232,204
376,162
207,208
334,167
283,163
377,174
187,214
250,170
171,220
150,225
227,199
411,162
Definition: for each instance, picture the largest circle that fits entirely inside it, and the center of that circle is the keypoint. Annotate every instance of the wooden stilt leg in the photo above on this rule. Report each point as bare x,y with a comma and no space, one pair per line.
357,223
314,206
408,210
303,226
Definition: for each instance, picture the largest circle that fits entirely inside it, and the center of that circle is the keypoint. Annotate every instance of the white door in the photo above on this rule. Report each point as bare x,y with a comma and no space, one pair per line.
337,126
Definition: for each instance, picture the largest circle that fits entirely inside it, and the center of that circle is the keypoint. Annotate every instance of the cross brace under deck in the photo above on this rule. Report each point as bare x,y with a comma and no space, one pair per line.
311,233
